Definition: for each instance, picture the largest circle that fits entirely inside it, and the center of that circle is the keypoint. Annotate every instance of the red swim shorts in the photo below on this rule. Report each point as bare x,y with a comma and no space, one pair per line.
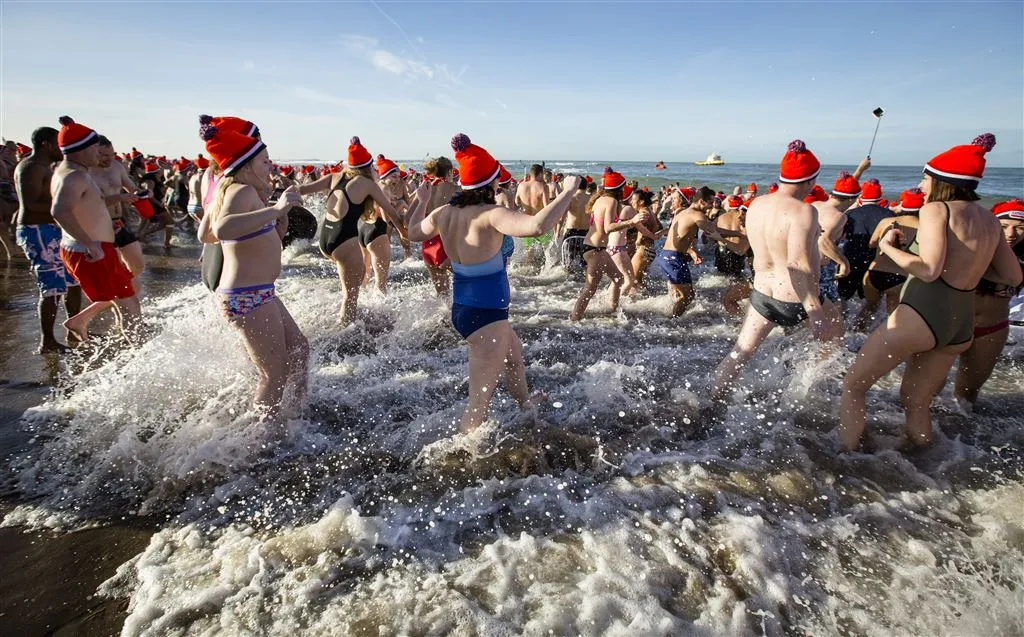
103,280
433,252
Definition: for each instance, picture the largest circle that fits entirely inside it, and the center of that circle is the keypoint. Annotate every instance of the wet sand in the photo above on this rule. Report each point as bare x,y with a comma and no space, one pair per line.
50,579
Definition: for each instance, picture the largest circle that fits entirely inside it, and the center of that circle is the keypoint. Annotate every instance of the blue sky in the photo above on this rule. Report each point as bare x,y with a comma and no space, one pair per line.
582,80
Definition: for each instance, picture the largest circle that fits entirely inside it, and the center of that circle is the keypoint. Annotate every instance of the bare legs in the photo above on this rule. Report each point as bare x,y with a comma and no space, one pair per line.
48,317
733,295
494,351
380,261
78,324
977,363
625,268
133,259
349,259
902,336
440,276
599,263
278,349
681,297
755,329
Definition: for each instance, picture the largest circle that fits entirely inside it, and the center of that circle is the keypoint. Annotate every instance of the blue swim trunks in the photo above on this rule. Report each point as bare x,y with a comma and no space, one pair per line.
828,288
41,244
674,265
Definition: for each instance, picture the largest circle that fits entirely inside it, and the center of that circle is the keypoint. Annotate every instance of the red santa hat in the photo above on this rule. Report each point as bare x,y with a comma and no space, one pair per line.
846,185
688,193
231,150
476,166
335,169
287,171
358,156
817,194
589,179
612,180
964,165
798,164
504,176
74,137
151,167
230,123
627,192
385,166
773,187
871,192
24,150
734,202
911,200
1012,209
201,162
752,188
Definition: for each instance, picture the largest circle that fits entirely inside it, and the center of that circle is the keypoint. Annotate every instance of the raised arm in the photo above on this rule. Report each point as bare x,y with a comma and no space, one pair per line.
317,186
421,229
517,224
862,167
931,237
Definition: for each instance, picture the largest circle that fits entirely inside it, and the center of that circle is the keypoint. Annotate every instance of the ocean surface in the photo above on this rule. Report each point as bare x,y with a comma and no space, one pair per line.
612,510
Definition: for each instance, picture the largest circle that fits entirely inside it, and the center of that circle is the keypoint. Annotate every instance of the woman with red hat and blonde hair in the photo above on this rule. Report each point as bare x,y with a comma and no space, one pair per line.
439,173
350,197
991,312
605,208
473,228
957,243
249,231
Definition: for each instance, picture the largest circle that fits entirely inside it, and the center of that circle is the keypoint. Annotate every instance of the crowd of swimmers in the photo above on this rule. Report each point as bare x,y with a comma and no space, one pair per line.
945,268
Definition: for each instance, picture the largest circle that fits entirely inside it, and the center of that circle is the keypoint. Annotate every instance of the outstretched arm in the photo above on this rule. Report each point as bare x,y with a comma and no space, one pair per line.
317,186
517,224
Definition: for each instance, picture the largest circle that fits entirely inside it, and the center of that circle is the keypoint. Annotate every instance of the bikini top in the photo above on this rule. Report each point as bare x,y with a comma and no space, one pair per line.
269,227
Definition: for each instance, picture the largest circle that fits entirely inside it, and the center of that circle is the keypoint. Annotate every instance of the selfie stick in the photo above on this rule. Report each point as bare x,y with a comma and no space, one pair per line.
878,115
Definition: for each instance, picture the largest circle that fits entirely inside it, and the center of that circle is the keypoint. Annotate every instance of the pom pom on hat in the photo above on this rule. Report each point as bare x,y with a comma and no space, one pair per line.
358,156
1012,209
477,167
798,164
208,132
611,180
74,137
962,166
205,119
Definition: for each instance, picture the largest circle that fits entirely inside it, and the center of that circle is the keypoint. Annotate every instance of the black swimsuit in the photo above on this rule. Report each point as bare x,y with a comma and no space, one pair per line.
368,232
333,233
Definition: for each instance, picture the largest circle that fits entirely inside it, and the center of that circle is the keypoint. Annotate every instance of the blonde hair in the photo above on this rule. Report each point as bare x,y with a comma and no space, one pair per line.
244,176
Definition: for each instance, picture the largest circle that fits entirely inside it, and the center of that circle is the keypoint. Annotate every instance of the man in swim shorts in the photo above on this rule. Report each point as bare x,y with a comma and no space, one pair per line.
573,230
87,246
675,257
118,191
783,233
39,237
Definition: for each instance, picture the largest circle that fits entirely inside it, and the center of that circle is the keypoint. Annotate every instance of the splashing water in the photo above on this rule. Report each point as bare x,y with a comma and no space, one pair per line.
613,510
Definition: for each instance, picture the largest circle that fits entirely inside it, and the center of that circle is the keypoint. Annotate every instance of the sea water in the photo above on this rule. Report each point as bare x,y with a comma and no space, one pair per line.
612,510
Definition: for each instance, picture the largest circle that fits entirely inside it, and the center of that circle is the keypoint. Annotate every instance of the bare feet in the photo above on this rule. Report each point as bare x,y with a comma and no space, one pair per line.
536,399
52,347
77,331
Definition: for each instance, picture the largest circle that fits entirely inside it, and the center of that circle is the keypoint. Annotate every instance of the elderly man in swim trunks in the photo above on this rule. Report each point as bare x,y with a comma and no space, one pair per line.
783,233
39,236
87,247
118,190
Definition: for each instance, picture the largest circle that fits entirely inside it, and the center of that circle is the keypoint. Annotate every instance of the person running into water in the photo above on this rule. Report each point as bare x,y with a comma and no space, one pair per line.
395,187
87,246
39,236
349,195
573,230
957,243
604,207
118,191
991,312
783,232
832,218
884,276
618,242
195,188
533,195
374,235
648,233
439,172
249,231
472,228
731,257
679,245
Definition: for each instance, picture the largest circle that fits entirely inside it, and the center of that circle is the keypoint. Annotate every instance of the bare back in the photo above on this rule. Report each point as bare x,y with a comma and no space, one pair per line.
577,217
832,220
908,224
32,183
972,236
467,233
783,233
533,195
72,187
733,220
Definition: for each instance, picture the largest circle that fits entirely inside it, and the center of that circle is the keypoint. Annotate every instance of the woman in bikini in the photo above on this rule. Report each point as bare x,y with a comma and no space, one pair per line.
439,173
991,312
472,227
604,208
350,194
648,233
249,232
957,243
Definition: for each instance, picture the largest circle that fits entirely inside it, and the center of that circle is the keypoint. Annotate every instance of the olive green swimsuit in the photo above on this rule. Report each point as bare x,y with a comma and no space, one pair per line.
947,311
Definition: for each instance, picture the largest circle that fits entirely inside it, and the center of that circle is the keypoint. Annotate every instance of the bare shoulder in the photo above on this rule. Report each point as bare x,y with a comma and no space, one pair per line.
241,198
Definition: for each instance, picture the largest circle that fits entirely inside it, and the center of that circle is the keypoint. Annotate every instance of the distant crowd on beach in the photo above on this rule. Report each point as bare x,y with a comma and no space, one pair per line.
797,254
